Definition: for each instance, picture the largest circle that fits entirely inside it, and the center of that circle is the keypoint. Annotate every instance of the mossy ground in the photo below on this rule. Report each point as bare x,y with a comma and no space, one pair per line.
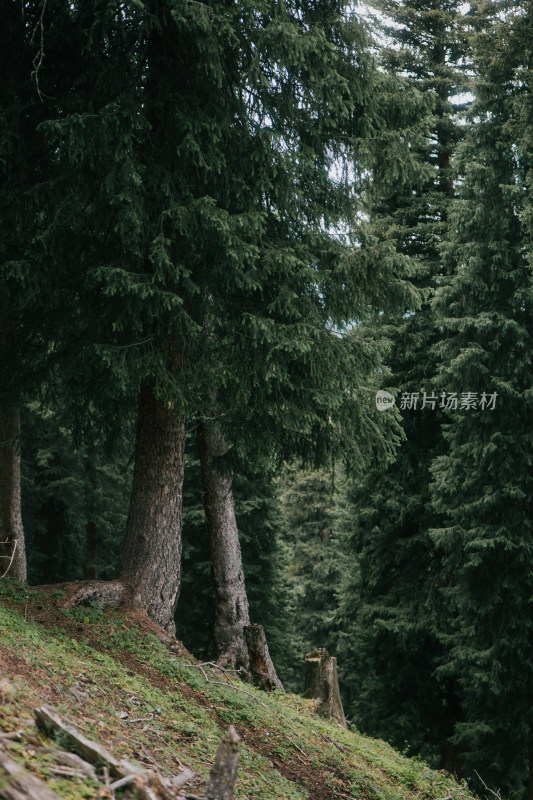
120,686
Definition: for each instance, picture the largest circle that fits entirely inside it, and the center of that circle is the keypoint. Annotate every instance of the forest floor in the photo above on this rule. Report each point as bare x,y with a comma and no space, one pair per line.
108,675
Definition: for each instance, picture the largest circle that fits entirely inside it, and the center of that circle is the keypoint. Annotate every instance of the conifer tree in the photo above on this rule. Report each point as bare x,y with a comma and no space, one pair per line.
22,164
483,482
389,646
191,153
315,561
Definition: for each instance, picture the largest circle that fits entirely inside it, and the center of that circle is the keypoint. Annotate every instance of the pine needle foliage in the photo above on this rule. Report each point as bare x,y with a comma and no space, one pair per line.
482,483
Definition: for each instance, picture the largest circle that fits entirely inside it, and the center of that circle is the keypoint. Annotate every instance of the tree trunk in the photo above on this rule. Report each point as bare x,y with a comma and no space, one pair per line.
150,560
231,602
12,547
261,666
224,771
321,682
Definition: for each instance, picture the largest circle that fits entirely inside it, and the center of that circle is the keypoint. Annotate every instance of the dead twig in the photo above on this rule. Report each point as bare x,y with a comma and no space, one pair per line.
15,543
228,685
38,60
493,793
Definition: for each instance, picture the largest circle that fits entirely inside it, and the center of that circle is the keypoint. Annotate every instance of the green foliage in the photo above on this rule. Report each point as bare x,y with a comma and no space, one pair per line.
389,646
314,562
482,487
64,488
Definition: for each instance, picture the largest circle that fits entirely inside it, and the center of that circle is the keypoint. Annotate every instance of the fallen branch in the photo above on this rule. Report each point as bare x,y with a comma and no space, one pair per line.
148,785
227,684
51,723
11,735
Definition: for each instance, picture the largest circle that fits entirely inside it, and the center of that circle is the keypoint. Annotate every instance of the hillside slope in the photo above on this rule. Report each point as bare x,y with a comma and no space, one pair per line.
118,684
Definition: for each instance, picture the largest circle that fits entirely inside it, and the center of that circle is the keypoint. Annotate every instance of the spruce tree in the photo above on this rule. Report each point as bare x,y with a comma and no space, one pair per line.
191,154
389,648
483,484
315,561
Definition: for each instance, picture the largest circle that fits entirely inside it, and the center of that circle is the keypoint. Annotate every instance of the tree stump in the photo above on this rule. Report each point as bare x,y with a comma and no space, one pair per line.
321,682
261,667
224,770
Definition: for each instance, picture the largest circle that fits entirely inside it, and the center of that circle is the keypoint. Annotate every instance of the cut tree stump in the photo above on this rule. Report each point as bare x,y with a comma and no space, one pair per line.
17,784
224,770
321,682
261,667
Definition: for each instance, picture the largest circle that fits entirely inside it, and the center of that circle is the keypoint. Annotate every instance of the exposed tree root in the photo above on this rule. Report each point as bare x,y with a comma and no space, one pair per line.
115,594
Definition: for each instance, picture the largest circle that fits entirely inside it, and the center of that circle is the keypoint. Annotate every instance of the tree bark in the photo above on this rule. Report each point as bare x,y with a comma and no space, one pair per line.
261,666
231,601
224,771
321,682
150,561
12,547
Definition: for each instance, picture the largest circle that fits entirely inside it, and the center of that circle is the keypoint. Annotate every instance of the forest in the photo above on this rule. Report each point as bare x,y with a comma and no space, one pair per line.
266,319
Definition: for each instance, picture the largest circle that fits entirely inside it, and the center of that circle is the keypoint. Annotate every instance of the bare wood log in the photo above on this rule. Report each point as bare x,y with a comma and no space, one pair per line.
148,785
321,682
76,763
51,724
261,667
17,784
224,770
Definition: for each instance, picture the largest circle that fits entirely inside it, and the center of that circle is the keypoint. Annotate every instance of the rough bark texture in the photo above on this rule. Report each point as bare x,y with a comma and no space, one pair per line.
231,602
11,530
261,666
150,559
108,594
224,771
17,784
321,682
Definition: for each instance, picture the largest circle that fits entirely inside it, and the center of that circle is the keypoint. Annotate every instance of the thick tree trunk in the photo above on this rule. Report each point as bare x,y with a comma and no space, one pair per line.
321,682
12,547
150,560
231,602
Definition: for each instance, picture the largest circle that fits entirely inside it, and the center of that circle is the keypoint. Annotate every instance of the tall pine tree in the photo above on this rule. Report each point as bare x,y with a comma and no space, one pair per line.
483,481
389,647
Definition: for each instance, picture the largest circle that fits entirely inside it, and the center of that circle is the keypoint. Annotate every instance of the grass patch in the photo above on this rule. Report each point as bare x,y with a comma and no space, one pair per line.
121,687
